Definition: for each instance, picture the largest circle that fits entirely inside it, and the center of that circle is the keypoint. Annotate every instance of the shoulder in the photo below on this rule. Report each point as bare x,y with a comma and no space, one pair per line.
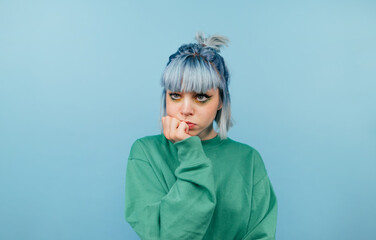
250,155
241,147
147,143
152,139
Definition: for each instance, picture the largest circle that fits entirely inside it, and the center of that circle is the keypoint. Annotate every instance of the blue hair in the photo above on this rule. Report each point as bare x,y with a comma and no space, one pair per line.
198,67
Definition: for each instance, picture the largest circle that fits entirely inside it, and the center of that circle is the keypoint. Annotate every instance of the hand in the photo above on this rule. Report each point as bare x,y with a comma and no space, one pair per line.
174,129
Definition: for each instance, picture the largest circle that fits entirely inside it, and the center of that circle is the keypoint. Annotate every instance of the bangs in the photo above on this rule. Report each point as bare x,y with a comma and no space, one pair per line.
190,74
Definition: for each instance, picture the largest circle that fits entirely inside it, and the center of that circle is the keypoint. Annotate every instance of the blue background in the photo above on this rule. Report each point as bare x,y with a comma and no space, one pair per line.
79,82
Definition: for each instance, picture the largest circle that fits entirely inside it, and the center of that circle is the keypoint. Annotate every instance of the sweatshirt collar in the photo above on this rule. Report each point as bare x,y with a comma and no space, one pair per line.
211,142
205,143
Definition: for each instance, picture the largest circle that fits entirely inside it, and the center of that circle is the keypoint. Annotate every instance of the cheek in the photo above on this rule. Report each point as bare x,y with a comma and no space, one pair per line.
214,109
209,112
170,108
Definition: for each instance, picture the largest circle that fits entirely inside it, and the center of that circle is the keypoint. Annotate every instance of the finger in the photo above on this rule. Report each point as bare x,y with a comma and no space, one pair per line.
166,128
183,128
174,124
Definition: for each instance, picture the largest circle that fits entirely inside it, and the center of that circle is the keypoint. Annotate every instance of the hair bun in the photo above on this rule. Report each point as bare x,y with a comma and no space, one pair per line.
214,41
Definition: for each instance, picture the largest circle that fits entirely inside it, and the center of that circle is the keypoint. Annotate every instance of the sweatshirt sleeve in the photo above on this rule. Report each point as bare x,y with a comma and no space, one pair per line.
185,211
263,217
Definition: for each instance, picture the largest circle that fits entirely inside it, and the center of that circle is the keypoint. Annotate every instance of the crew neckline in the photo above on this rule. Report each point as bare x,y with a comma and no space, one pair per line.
205,143
213,141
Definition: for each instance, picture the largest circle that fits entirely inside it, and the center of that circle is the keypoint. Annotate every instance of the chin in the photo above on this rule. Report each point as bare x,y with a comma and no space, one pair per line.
193,132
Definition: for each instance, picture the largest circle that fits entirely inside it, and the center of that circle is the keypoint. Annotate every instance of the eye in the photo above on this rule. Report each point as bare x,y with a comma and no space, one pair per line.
174,96
202,97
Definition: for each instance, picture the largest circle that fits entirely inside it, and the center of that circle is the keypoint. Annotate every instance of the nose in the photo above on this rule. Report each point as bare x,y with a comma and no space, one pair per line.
186,108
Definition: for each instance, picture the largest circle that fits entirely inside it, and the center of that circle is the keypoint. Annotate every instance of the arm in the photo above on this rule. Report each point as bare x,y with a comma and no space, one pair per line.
185,211
263,217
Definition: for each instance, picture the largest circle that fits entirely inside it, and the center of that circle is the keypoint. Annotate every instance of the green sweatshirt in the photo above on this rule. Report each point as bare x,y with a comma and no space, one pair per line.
193,189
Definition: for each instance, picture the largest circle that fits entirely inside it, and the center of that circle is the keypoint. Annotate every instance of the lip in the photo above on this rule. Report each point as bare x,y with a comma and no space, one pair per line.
190,124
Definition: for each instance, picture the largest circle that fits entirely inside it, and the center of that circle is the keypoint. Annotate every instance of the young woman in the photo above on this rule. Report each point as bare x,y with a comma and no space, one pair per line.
191,182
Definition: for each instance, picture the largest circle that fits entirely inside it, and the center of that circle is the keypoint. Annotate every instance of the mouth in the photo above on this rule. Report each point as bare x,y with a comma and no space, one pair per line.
190,124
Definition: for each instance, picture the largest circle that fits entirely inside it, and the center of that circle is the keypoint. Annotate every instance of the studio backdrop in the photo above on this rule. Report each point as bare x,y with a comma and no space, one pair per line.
80,82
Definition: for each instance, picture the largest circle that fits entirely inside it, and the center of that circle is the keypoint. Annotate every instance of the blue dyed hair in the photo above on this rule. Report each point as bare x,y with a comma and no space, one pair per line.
198,67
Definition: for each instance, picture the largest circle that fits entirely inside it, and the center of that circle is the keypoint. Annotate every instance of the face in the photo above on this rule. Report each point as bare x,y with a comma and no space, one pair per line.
199,109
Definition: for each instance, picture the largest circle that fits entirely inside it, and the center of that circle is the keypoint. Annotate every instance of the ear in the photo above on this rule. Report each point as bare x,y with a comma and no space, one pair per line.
219,106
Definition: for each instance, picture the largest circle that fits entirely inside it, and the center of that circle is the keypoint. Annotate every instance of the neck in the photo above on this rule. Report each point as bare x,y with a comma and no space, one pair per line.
208,133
